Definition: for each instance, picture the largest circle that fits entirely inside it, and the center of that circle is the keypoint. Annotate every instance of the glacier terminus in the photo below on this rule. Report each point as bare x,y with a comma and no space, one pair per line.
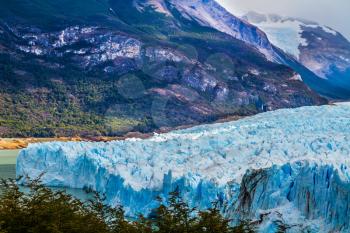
289,166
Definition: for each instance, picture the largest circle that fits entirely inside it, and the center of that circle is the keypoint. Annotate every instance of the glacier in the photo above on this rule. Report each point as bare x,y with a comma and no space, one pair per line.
288,166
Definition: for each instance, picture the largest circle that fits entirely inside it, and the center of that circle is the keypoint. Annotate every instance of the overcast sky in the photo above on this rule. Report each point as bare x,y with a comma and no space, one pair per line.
333,13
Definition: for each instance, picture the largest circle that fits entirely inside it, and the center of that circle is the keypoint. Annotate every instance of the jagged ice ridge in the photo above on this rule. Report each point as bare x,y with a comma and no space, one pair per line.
298,156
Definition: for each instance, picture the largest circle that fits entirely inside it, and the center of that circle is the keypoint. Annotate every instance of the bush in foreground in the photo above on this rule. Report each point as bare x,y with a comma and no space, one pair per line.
41,210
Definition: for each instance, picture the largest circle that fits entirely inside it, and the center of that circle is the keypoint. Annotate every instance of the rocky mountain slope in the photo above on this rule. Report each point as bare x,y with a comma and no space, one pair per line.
288,167
321,49
111,67
212,14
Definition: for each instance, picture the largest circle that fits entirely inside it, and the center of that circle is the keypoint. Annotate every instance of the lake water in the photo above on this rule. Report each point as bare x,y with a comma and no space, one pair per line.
8,163
8,170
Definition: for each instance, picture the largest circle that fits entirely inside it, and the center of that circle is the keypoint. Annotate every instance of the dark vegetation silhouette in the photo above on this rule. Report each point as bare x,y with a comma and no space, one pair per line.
40,209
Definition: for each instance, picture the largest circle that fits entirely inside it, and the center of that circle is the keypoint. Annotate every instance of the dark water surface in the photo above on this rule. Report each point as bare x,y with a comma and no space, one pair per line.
8,163
8,170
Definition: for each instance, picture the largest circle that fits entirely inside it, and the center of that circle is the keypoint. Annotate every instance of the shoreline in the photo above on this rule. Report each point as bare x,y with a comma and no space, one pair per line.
21,143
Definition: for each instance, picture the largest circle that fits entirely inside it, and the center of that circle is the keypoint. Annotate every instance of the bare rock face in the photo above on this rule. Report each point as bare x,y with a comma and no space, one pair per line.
100,46
327,54
211,14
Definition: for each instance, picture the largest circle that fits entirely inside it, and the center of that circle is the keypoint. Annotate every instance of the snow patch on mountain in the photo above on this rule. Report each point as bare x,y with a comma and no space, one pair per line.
325,28
319,48
213,163
285,35
285,32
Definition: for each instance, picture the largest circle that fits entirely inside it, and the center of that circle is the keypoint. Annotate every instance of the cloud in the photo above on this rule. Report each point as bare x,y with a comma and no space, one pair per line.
333,13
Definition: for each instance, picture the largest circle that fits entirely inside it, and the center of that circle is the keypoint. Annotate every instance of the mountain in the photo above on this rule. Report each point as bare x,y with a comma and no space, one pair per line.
321,49
209,13
286,167
108,67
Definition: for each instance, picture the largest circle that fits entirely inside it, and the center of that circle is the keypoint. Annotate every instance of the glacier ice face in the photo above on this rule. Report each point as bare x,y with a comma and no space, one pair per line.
212,162
307,197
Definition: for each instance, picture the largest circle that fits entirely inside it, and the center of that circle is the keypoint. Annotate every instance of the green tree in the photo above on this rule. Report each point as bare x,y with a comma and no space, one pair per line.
38,209
175,217
212,221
